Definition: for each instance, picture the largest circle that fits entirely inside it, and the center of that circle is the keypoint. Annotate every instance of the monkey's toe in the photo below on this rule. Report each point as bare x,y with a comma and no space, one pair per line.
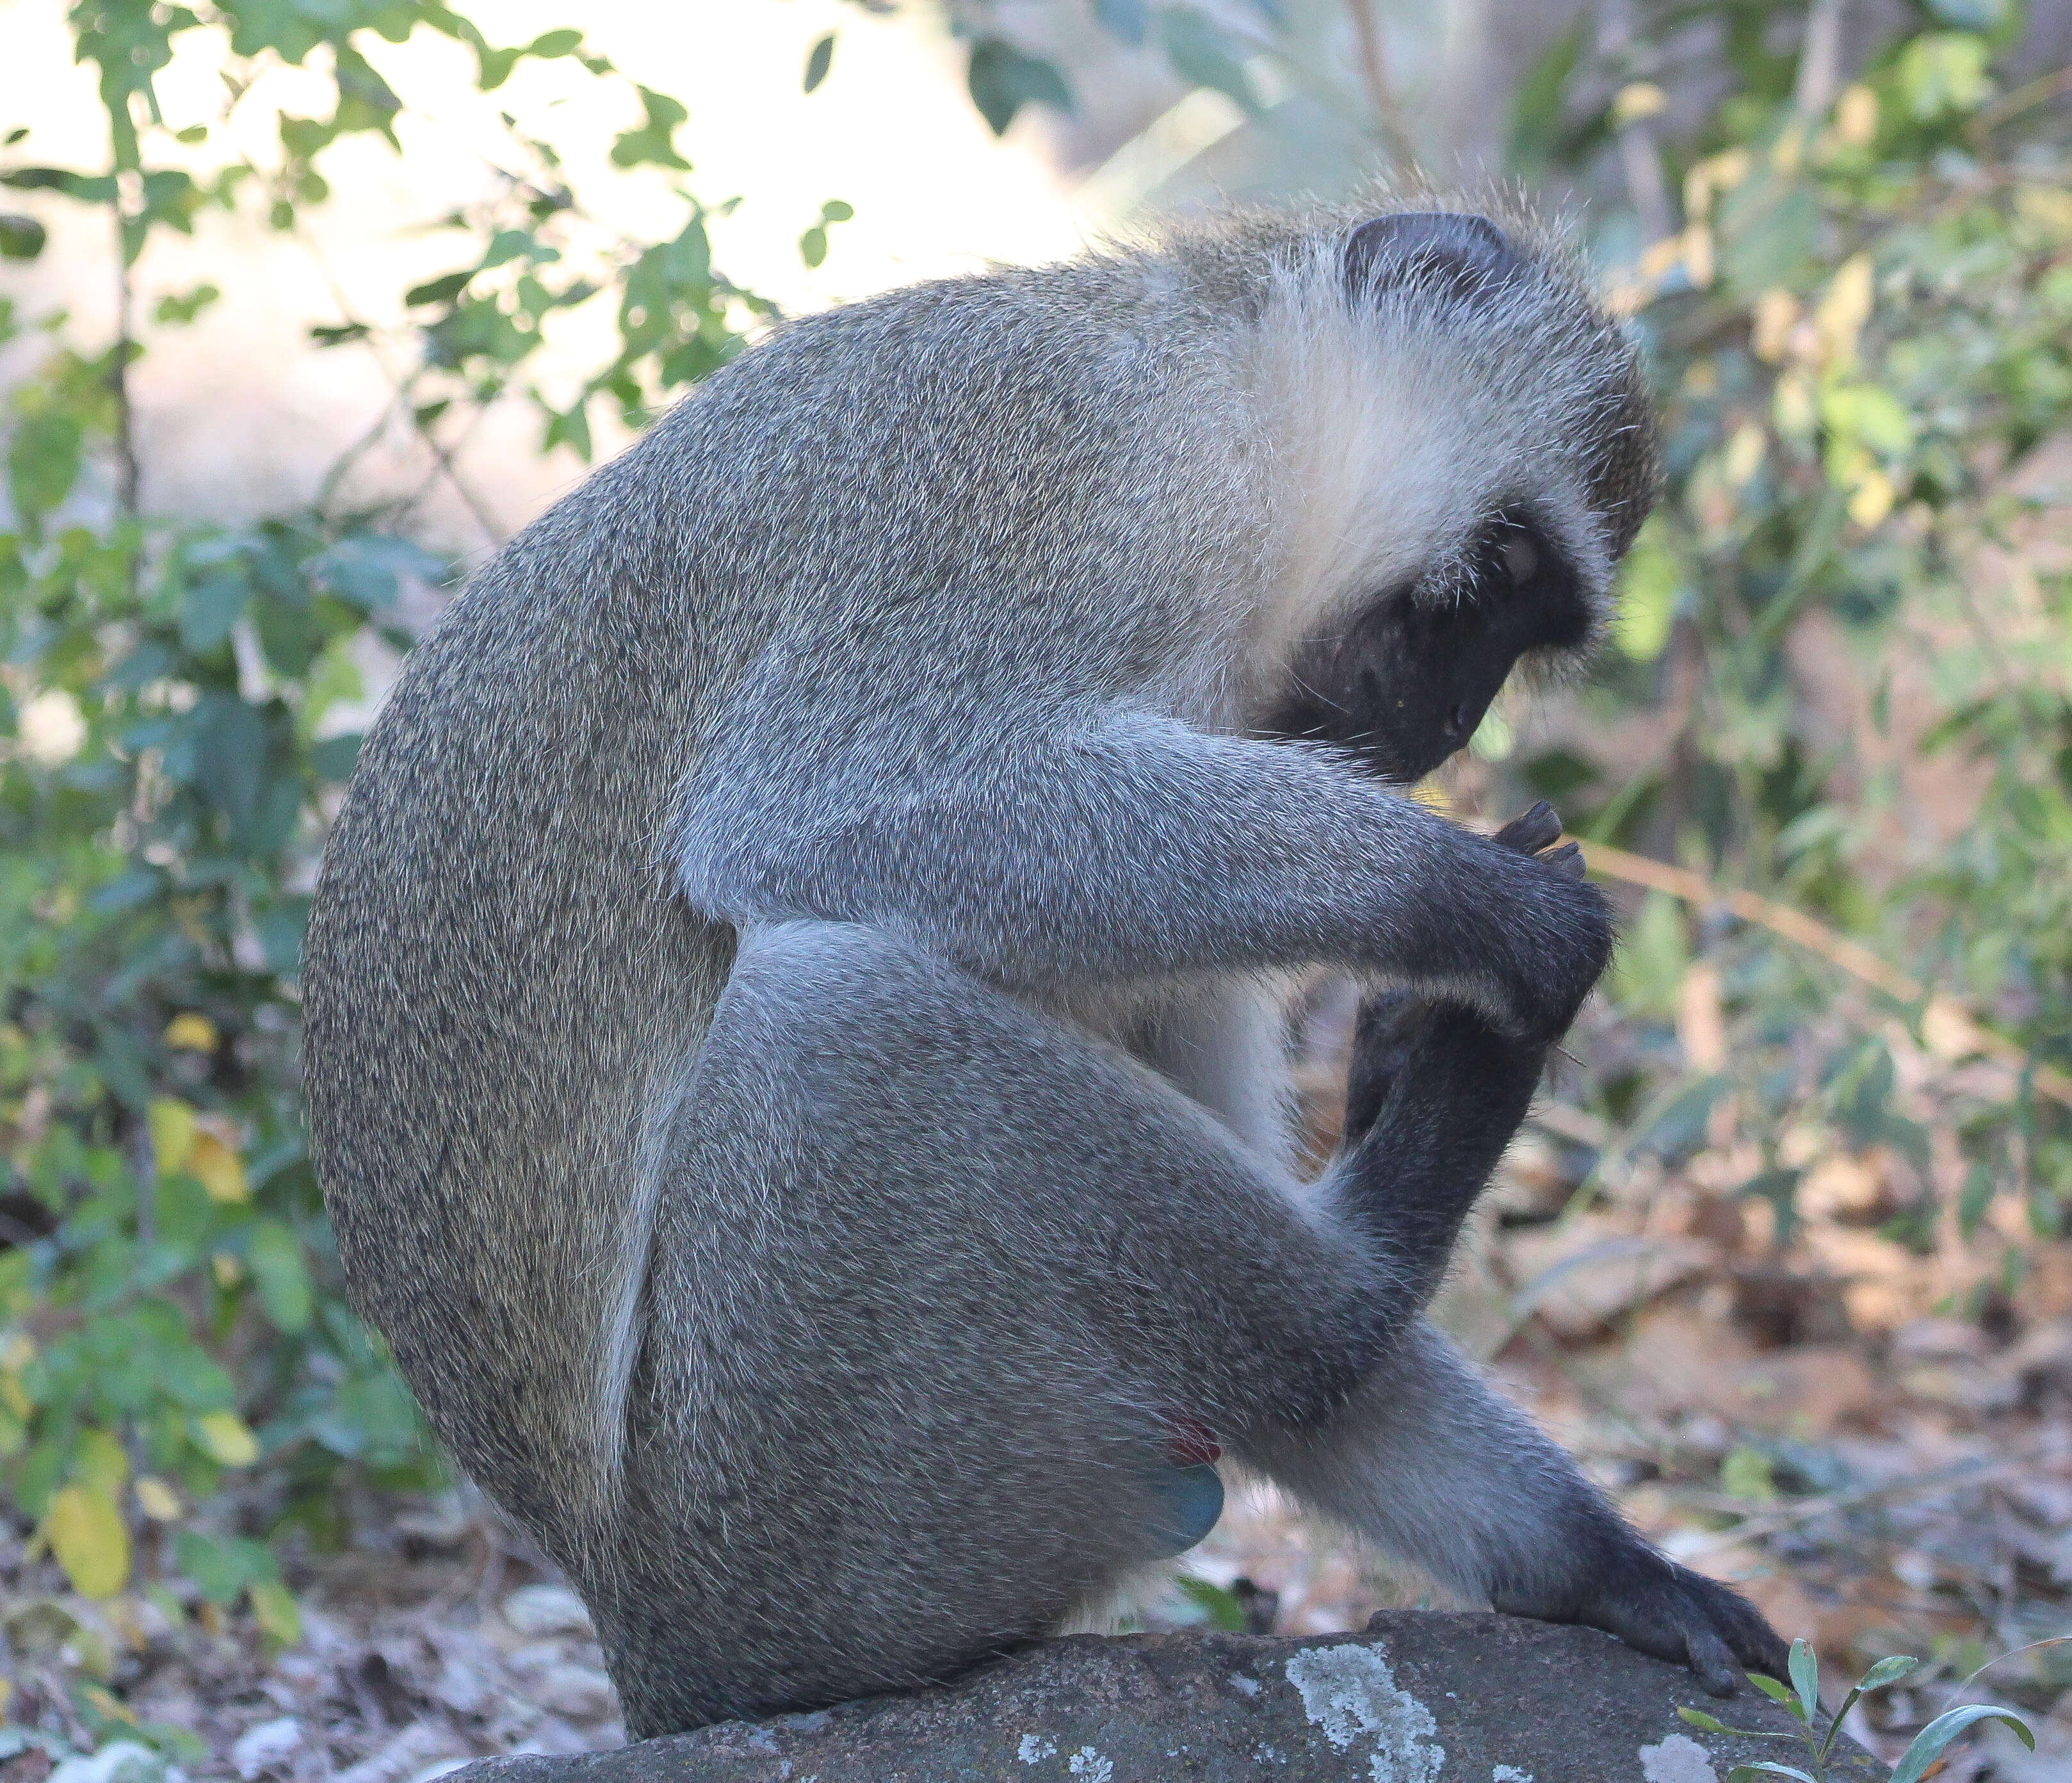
1671,1612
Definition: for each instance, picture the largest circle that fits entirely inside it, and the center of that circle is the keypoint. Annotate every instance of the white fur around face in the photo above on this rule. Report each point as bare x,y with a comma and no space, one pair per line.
1394,431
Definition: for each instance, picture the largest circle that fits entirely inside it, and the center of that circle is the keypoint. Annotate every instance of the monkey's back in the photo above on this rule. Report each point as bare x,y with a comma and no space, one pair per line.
502,977
495,970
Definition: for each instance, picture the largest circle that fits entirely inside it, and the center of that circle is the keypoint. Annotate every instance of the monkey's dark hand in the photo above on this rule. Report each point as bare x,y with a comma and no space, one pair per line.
1535,832
1565,941
1663,1609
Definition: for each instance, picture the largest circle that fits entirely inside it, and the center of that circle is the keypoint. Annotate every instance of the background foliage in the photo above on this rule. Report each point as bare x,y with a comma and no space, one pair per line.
1860,336
1859,300
180,1381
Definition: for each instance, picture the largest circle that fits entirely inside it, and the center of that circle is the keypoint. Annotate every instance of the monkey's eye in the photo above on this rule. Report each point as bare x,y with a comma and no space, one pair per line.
1521,559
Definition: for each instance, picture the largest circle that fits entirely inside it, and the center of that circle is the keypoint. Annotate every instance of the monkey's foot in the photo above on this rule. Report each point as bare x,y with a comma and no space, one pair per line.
1671,1612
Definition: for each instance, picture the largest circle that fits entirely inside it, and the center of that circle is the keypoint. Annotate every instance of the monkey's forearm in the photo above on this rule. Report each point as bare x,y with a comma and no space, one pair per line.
1140,846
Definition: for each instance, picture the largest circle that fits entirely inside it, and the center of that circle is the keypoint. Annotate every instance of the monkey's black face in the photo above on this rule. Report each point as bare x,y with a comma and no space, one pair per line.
1407,679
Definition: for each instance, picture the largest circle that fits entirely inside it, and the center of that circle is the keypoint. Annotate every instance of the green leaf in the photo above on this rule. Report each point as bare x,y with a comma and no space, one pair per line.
331,760
1651,591
1224,1609
551,43
1744,1773
275,1258
42,462
654,143
819,60
1746,1473
21,238
127,891
1536,114
183,307
570,429
275,1611
1944,72
1195,47
442,290
87,189
229,756
1886,1671
222,1568
210,607
1930,1743
1771,1688
1002,80
1806,1679
493,67
1863,414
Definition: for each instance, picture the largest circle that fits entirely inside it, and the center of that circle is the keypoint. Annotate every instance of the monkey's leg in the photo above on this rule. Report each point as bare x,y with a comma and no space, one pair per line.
1430,1463
1425,1459
930,1279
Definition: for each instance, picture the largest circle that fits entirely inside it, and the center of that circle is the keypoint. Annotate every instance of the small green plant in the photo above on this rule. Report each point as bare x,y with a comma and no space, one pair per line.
1801,1698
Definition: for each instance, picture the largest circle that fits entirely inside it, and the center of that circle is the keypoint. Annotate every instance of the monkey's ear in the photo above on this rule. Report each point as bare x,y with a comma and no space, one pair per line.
1458,253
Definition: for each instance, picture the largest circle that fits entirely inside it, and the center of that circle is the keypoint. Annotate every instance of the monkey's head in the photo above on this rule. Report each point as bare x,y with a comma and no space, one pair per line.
1465,449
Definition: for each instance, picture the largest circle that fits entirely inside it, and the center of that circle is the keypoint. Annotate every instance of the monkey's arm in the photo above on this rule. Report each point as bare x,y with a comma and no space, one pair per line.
1428,1461
1133,845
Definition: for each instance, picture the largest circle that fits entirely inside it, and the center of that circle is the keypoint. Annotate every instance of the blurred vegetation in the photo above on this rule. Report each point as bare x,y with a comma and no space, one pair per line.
180,1380
1841,663
1859,321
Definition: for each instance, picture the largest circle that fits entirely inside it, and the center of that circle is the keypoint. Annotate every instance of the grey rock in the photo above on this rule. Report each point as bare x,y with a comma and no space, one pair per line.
1420,1697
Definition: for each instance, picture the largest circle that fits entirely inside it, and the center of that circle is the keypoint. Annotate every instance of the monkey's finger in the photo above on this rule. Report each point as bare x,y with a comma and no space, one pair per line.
1710,1660
1532,830
1756,1644
1566,860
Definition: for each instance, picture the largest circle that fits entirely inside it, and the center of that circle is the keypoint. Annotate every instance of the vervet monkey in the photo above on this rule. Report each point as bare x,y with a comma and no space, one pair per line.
794,1048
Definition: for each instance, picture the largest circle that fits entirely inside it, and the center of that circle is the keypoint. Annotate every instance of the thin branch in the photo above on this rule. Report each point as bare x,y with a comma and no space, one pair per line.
2038,91
1640,155
1953,1478
1951,1029
1819,59
1374,76
129,471
477,508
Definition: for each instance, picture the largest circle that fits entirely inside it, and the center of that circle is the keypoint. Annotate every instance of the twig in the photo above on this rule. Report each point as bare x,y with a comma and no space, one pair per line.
1807,1510
129,471
2025,98
1640,156
1950,1030
401,388
1819,59
1374,76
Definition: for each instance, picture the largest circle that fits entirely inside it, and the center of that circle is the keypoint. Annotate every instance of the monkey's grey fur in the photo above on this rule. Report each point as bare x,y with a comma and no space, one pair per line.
793,1045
